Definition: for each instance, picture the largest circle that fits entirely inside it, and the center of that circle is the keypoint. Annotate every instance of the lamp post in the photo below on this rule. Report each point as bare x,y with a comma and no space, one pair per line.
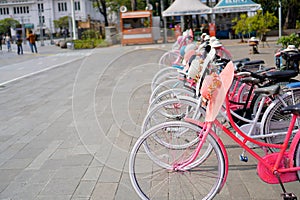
279,16
51,34
73,20
164,19
41,28
23,30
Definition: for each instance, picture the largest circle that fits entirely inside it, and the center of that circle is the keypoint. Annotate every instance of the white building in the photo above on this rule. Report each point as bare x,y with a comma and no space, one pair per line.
41,13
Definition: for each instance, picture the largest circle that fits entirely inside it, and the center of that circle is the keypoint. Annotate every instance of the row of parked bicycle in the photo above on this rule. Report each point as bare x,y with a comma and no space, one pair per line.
201,93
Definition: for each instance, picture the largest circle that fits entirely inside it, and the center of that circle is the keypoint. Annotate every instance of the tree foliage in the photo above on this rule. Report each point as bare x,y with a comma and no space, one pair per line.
292,39
240,26
259,23
6,24
62,22
262,23
290,10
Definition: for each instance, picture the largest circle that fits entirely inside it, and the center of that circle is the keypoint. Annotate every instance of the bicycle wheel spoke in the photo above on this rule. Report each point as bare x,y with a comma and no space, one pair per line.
152,165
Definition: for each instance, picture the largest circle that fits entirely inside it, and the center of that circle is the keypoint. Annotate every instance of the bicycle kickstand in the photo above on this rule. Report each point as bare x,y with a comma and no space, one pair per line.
285,195
243,157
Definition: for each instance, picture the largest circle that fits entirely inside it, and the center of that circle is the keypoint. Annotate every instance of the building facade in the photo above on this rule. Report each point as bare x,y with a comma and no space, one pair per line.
38,15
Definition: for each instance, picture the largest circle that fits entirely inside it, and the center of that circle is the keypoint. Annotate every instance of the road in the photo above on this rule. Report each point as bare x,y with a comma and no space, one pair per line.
69,119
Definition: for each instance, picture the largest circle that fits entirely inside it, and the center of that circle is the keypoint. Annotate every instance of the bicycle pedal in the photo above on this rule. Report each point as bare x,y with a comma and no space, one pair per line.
288,196
243,158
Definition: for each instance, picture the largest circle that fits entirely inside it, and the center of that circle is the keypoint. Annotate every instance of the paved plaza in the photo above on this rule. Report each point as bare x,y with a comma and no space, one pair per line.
69,119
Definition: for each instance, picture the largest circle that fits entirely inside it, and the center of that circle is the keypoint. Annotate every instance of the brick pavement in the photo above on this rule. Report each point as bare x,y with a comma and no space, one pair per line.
69,139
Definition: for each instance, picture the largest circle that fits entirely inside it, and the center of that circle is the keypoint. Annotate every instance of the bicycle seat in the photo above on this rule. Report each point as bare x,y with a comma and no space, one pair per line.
253,65
293,85
281,75
270,90
293,109
243,60
250,80
254,62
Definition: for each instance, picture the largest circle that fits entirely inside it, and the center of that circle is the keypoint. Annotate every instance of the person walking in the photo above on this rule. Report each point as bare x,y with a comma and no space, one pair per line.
19,43
8,42
32,44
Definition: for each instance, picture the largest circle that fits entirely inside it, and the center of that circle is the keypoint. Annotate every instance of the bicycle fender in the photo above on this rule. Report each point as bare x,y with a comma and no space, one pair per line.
221,144
293,147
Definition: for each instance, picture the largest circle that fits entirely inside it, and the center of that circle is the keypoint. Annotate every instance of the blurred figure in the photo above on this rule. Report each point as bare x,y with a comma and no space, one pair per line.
32,44
8,42
19,43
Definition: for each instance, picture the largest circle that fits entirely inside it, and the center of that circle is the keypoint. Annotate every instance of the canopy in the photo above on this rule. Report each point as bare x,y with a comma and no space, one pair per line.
136,14
186,7
229,6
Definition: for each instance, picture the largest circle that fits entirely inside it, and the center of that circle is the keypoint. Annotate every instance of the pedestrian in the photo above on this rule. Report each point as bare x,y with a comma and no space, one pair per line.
19,43
32,44
8,42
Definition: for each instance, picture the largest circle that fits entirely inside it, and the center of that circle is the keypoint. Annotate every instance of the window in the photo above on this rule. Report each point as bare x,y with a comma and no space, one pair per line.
4,11
41,19
62,7
41,7
77,5
21,10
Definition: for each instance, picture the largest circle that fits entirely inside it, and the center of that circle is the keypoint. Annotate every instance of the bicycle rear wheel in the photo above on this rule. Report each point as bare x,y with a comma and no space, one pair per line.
169,58
166,85
273,122
151,169
163,75
171,94
297,159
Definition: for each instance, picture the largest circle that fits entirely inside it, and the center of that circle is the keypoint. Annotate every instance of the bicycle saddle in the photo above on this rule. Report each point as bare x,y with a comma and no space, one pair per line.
254,62
270,90
282,75
293,109
251,80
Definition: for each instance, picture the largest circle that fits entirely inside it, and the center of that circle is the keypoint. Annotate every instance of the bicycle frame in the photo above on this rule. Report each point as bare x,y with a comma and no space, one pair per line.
270,166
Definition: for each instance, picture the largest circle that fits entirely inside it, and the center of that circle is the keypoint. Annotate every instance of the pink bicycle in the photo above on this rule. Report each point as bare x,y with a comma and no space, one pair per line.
174,170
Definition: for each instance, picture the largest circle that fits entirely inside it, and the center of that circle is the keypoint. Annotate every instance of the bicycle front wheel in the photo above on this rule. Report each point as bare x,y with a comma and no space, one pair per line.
151,169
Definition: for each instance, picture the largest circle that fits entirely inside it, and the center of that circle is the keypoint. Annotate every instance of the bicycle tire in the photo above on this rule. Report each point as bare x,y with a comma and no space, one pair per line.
274,122
166,85
153,175
168,58
164,77
162,73
170,94
297,159
174,109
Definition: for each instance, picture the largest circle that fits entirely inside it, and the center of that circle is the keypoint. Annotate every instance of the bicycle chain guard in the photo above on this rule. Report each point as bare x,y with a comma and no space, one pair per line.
267,176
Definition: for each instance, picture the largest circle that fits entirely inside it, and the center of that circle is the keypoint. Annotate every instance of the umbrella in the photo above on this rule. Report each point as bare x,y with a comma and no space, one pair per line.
226,6
186,7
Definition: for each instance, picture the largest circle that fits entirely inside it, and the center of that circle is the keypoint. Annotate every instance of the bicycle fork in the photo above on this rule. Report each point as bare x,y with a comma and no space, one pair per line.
202,138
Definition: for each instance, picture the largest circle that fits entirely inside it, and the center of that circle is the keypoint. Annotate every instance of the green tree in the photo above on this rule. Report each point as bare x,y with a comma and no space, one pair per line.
262,23
102,6
62,22
241,26
292,13
6,24
290,10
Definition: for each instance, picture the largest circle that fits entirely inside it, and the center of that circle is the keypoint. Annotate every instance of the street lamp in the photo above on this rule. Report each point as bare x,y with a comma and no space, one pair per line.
279,16
73,20
23,30
41,28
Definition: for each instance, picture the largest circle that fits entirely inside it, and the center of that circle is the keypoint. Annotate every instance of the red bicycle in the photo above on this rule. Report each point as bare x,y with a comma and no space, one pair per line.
178,171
